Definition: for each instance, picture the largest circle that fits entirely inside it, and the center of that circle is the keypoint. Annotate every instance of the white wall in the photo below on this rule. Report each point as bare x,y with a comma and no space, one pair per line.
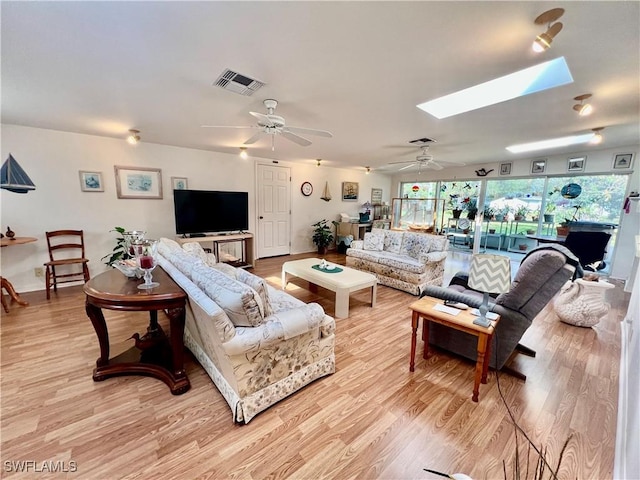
52,159
598,161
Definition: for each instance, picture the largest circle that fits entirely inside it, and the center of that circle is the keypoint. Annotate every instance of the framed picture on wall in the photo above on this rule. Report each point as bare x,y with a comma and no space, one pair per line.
349,191
505,168
576,164
138,182
179,183
91,181
538,166
376,196
622,160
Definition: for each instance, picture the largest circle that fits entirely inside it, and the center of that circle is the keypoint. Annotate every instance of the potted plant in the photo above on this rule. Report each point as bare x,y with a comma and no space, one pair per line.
549,210
488,212
472,208
322,235
521,212
501,213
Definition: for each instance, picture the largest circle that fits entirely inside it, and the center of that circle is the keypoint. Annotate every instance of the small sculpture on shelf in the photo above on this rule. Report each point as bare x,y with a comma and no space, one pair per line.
10,234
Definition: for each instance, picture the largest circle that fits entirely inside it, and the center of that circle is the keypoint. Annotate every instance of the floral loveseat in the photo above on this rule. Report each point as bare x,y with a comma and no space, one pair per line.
404,260
257,344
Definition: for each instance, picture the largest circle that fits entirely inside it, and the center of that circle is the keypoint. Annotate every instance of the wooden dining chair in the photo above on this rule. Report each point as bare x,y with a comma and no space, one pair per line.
66,249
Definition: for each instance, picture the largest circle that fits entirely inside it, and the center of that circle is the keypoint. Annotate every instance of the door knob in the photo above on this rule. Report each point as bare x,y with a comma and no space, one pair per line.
260,218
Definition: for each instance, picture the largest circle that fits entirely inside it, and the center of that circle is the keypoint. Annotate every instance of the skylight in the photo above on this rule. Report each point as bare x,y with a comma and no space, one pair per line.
553,73
551,143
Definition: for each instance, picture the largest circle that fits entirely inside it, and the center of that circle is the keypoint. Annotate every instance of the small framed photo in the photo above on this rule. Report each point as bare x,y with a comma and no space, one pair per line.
622,160
576,164
179,183
138,182
538,166
376,196
91,181
349,191
505,168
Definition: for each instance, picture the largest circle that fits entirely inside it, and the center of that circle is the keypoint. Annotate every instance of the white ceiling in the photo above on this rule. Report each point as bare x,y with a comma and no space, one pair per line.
357,69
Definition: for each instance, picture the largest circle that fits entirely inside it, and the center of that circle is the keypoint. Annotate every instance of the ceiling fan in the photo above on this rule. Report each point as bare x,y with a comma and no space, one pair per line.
425,160
273,125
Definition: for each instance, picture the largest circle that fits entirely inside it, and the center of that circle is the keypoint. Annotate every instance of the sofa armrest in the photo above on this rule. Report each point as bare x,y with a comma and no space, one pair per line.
276,329
432,257
357,244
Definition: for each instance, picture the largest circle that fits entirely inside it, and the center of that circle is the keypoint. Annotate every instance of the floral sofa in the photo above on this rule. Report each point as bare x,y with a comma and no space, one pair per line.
404,260
258,344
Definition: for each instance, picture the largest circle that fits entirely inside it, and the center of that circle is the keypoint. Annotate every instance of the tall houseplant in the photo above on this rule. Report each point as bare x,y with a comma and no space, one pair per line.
322,235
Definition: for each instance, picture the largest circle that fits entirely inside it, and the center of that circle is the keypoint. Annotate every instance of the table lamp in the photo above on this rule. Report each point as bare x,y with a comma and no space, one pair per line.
489,274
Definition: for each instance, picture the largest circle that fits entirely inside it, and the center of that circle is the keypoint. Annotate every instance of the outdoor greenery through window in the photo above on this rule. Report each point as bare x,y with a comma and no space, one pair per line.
515,208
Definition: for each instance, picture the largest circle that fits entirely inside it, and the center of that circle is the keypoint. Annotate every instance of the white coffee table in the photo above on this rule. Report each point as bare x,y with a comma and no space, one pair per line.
342,283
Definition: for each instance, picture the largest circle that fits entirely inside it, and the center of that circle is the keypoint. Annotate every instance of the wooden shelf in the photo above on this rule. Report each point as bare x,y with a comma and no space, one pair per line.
247,246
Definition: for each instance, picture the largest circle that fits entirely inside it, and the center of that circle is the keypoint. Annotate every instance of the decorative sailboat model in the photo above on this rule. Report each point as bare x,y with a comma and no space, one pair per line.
326,194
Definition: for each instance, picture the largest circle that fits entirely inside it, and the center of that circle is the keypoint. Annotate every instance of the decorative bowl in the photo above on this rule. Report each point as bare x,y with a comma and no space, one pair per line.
129,268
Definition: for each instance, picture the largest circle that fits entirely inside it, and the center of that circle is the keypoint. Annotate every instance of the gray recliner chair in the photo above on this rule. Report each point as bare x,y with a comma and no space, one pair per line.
541,275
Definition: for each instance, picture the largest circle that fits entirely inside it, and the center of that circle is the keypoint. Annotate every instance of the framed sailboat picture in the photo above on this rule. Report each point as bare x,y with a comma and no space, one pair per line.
349,191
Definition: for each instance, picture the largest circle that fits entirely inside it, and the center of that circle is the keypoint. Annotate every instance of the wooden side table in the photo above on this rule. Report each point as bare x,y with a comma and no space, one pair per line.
464,322
6,284
154,354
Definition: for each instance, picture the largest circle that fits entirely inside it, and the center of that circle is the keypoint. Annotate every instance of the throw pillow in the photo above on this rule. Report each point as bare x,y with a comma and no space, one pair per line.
374,241
241,303
392,241
259,285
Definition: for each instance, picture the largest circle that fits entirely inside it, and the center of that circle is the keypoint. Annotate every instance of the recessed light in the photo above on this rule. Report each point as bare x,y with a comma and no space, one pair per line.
551,143
553,73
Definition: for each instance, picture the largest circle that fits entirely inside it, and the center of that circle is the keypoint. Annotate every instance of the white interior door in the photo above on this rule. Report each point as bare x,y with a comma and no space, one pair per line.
274,211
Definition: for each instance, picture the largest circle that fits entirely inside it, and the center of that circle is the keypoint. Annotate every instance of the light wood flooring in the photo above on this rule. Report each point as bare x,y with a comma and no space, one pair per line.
372,419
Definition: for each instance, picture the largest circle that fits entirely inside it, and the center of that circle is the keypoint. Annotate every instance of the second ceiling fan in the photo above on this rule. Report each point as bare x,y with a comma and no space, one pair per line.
425,160
272,124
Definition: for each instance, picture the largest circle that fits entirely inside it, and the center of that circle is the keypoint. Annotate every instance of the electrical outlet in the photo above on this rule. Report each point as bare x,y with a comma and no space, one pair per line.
39,271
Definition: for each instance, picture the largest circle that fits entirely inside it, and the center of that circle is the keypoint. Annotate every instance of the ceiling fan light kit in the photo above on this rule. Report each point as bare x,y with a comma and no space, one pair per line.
243,153
543,41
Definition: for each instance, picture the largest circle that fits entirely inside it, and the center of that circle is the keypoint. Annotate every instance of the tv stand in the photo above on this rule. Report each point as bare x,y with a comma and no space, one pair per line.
246,261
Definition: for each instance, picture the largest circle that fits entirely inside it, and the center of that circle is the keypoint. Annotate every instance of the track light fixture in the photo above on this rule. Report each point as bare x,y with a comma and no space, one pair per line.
597,136
543,41
134,137
583,109
318,162
243,153
368,170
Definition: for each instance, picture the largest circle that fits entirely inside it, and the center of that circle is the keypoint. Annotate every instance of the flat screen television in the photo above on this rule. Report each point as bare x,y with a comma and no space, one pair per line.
204,211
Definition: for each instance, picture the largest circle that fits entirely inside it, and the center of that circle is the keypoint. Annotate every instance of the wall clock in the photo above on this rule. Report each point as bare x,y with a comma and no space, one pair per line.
306,189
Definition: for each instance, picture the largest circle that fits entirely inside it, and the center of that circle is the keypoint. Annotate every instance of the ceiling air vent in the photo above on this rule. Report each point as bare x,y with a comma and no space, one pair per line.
422,141
238,83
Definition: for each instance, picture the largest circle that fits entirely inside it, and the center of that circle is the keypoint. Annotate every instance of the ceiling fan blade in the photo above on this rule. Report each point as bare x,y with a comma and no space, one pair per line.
253,139
263,118
406,161
295,138
434,166
227,126
407,166
459,164
310,131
